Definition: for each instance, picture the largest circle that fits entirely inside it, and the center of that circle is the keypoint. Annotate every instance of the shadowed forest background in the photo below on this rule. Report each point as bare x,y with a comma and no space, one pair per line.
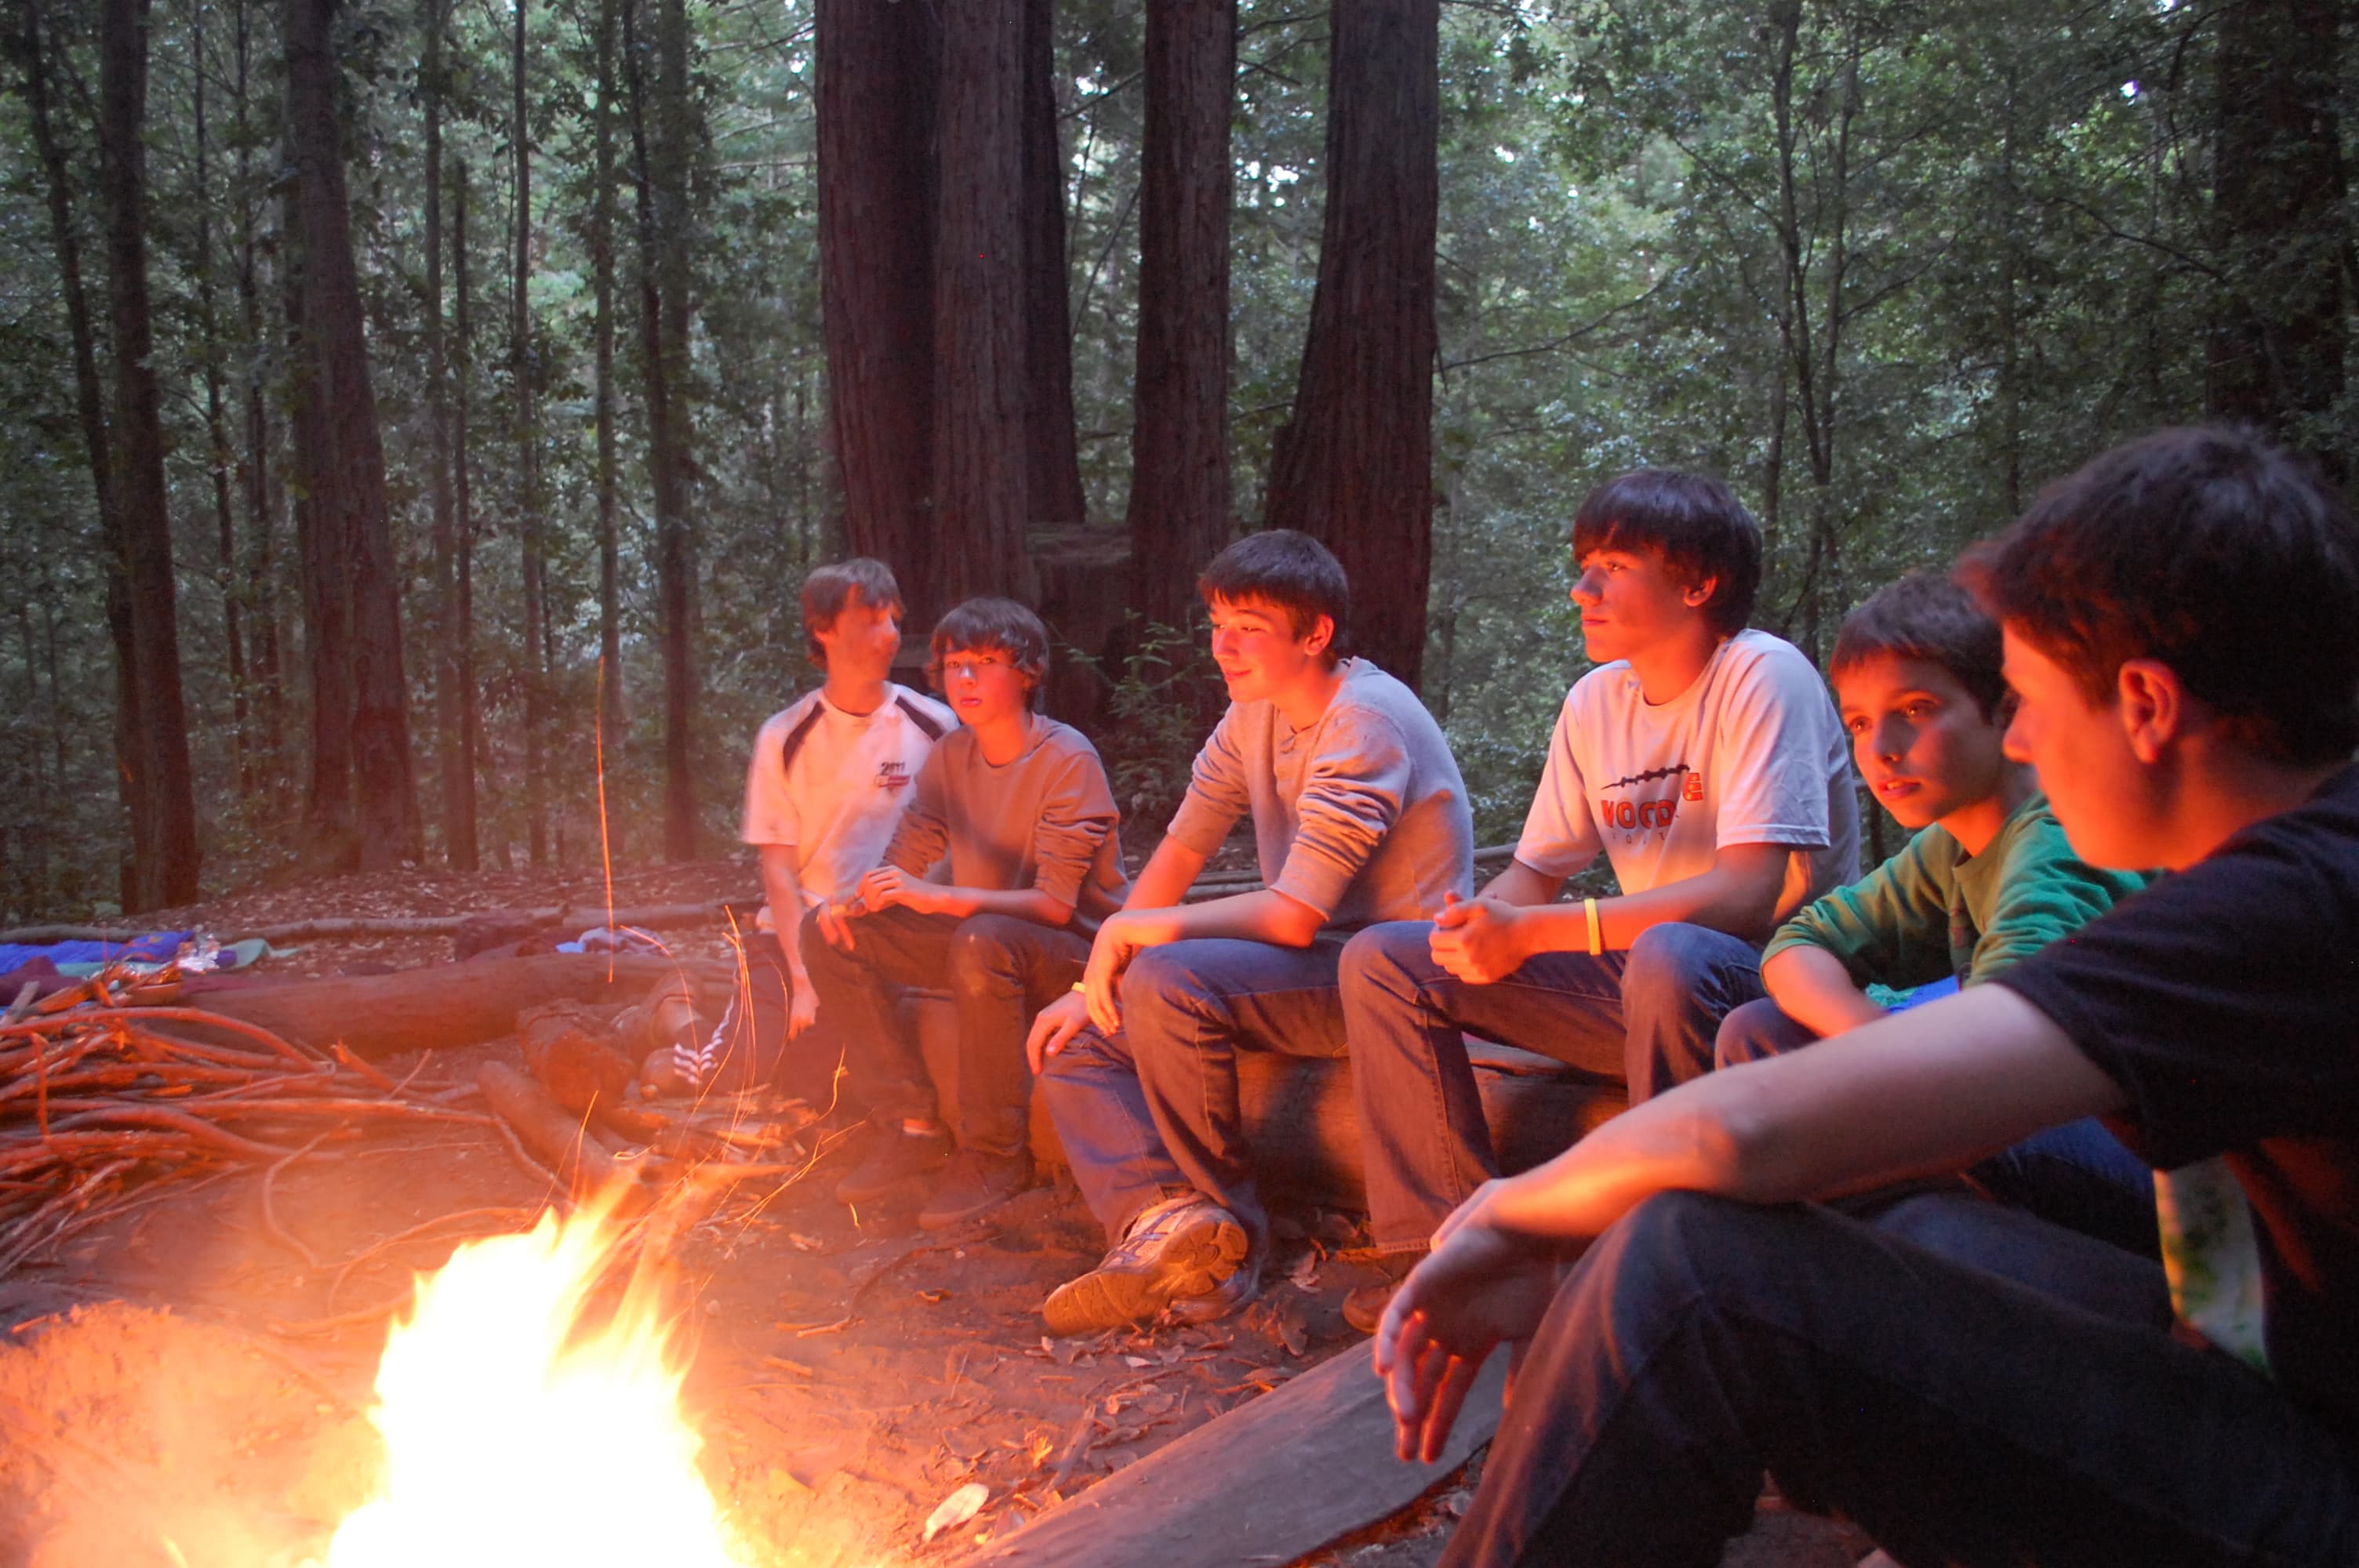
401,402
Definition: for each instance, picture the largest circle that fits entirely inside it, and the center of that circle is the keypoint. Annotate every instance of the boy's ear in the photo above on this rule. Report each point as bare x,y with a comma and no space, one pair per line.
1699,593
2153,706
1322,632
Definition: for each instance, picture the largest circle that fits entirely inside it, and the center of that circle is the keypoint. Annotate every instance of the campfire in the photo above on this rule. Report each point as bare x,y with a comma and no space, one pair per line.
526,1419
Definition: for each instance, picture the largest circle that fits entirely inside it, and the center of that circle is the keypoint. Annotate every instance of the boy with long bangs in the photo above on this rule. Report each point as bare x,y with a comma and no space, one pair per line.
1358,815
824,787
2181,630
1705,760
1988,879
1020,805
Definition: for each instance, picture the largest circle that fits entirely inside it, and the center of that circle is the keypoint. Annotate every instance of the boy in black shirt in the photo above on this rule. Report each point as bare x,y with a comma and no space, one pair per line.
2181,623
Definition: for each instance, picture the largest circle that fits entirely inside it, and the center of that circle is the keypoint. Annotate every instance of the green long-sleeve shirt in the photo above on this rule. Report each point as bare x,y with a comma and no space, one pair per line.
1932,911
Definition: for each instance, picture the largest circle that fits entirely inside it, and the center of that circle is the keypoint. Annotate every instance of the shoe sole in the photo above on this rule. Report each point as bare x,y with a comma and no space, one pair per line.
1193,1263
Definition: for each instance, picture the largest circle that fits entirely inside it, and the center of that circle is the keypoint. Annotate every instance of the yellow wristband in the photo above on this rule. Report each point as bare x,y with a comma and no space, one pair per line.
1081,985
1596,930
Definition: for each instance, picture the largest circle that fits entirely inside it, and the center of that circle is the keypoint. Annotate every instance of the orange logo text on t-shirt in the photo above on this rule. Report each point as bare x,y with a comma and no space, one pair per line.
1637,814
892,775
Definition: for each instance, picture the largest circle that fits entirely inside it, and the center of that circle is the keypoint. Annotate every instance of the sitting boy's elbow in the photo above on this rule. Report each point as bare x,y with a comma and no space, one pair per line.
1294,924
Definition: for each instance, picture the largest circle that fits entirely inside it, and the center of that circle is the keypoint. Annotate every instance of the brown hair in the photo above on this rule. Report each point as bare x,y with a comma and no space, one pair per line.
1931,619
2210,551
995,626
1695,524
829,588
1286,570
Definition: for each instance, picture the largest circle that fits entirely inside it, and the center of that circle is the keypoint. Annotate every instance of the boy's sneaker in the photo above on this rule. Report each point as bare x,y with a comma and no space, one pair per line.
976,1181
894,1156
1187,1255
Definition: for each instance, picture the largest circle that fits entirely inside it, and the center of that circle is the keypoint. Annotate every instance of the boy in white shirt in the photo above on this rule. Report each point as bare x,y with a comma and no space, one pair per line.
824,789
1707,762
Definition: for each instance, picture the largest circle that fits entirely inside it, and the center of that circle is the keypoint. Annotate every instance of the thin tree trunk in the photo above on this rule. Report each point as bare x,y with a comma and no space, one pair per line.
601,261
1051,446
1355,466
354,502
465,851
219,457
1180,439
254,462
674,539
457,793
875,105
168,874
979,321
90,404
532,546
331,842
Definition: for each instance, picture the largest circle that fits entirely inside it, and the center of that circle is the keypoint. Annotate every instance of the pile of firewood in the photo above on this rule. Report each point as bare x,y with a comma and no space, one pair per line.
108,1088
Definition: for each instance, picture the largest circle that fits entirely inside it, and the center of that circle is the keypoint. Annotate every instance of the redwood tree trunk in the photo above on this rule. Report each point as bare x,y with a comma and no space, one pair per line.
465,848
979,326
90,404
354,502
1052,453
1180,441
602,262
532,545
1355,466
324,575
876,84
457,792
674,540
166,873
2276,352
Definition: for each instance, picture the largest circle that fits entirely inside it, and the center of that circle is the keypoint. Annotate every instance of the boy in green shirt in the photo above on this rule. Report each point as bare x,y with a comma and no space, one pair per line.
1988,879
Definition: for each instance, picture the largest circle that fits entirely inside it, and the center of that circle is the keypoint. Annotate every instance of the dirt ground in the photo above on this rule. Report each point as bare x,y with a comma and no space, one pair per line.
187,1386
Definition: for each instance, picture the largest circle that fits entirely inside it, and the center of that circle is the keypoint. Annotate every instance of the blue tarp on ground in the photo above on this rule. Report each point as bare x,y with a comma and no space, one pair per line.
153,949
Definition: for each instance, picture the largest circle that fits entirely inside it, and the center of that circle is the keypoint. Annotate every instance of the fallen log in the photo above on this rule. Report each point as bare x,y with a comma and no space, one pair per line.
439,1004
649,917
555,1136
1271,1481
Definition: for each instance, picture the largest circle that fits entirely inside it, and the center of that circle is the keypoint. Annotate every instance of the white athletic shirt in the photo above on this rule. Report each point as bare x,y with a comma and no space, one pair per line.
1752,752
830,785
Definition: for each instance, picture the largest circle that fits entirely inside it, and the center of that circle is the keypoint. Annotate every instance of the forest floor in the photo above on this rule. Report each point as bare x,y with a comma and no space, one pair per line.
187,1386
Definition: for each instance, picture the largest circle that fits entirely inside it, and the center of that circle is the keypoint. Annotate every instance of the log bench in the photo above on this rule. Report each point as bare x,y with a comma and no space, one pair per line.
1304,1122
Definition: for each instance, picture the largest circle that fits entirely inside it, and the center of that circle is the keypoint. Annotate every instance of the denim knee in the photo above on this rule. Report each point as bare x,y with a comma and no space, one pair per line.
1156,986
1674,956
980,956
1390,962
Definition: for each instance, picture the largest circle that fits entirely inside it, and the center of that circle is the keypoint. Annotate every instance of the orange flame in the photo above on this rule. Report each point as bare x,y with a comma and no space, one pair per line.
517,1431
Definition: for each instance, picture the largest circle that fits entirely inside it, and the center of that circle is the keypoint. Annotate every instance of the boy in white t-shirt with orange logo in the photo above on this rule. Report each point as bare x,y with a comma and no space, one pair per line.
1707,762
825,787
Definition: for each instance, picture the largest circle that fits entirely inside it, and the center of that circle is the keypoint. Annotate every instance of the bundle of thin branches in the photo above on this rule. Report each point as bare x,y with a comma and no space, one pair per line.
98,1102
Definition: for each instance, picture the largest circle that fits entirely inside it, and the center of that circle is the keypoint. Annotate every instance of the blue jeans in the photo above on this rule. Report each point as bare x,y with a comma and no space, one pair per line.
2078,1175
1152,1112
1956,1416
1645,1017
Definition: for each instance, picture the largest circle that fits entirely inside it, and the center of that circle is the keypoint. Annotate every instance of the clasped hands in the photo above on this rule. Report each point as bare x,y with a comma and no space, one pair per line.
1479,940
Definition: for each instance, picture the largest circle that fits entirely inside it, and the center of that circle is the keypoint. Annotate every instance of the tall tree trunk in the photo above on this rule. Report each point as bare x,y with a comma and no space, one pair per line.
466,849
1355,465
219,457
1180,439
354,499
980,503
531,544
876,86
90,404
254,462
664,251
456,775
2277,344
330,838
1052,481
168,874
602,262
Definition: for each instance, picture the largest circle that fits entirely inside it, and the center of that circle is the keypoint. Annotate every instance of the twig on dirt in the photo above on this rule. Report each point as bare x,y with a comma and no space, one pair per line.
278,1232
427,1227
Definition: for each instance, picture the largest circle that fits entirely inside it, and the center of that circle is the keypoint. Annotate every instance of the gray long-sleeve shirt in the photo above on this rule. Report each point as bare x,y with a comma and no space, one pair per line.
1362,816
1046,819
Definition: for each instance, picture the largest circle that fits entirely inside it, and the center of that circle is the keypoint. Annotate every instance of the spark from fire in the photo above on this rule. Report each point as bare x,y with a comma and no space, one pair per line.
520,1427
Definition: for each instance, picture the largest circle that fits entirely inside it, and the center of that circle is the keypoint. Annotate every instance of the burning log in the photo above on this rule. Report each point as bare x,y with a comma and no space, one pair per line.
566,1144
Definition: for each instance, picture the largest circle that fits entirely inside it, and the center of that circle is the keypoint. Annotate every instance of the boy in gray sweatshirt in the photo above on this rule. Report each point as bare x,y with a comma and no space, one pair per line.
1359,815
1020,806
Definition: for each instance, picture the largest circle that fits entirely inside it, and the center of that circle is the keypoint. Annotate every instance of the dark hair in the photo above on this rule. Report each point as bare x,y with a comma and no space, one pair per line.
1287,570
1931,619
831,588
2207,549
1700,529
992,625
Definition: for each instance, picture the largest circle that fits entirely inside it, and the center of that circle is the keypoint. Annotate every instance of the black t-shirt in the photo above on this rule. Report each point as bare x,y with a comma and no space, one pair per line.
2226,1000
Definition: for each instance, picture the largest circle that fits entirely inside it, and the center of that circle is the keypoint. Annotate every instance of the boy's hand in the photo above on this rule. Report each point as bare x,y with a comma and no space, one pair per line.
1479,1287
834,924
1053,1026
1117,939
890,885
1479,942
802,1006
